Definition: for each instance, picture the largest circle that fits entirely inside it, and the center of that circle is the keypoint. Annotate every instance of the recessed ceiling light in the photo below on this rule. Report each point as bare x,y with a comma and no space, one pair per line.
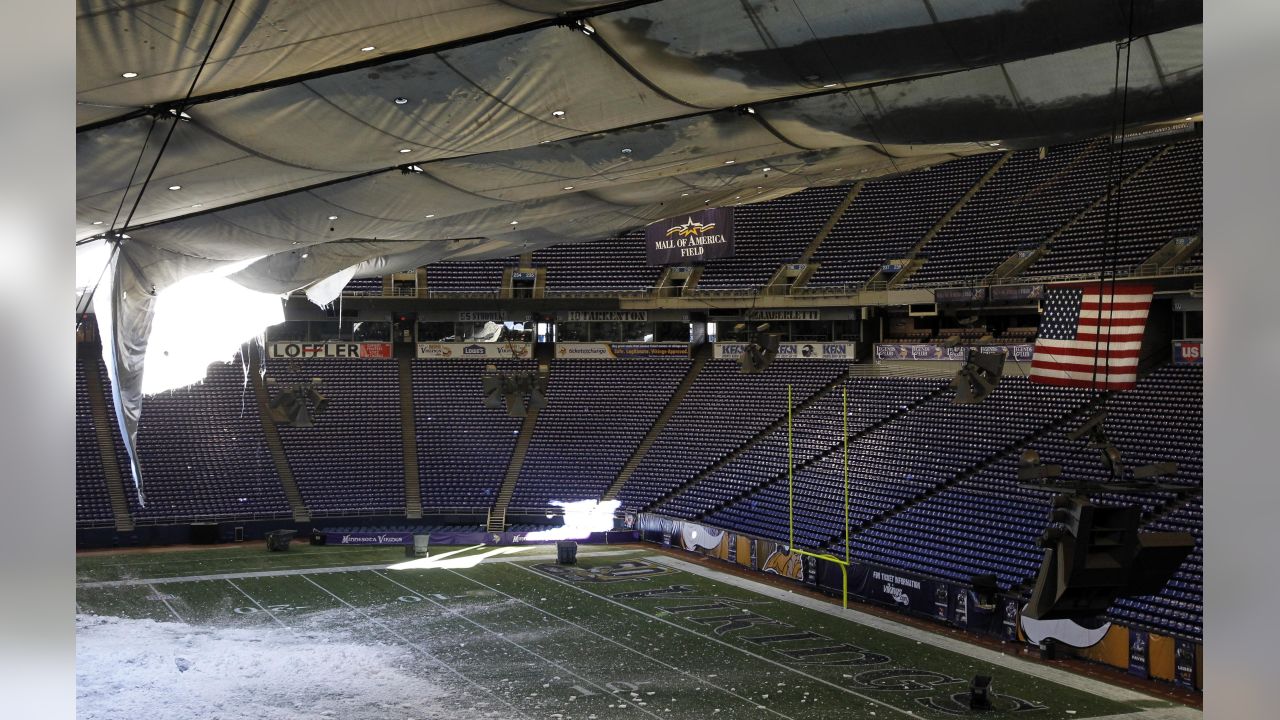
368,48
728,162
401,100
568,187
175,187
405,150
766,169
295,242
429,216
306,255
130,75
515,222
684,194
829,85
626,151
97,222
198,205
737,197
557,113
333,217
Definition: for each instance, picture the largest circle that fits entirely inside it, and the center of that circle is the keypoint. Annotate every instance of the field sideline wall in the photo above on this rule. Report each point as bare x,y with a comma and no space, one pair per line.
1145,654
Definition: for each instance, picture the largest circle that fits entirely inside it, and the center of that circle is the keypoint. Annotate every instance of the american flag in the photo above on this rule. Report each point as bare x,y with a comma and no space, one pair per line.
1091,335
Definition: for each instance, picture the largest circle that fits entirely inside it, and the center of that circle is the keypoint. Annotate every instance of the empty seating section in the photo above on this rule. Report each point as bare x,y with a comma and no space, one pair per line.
1160,203
722,410
463,447
204,454
616,264
93,503
890,216
1020,206
352,461
814,432
770,234
1179,607
363,286
597,413
474,277
899,461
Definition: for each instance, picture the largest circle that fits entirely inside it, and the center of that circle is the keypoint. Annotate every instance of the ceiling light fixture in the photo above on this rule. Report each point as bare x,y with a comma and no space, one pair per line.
515,222
626,151
429,216
130,75
175,187
401,100
829,85
405,150
557,113
198,205
766,169
729,162
368,48
306,255
97,222
333,217
568,187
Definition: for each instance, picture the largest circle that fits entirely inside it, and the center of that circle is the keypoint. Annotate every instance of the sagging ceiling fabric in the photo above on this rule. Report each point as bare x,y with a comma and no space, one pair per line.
382,135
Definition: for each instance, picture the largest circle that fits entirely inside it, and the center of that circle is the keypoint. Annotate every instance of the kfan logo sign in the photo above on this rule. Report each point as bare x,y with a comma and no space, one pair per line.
693,238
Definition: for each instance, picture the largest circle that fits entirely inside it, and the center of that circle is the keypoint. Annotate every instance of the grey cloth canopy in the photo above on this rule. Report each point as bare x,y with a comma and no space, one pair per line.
384,134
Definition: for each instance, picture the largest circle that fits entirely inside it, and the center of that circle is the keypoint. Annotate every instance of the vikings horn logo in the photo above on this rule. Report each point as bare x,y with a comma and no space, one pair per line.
1076,633
784,564
690,228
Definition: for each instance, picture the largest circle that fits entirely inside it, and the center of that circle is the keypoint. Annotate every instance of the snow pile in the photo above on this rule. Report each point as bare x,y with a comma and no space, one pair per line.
128,668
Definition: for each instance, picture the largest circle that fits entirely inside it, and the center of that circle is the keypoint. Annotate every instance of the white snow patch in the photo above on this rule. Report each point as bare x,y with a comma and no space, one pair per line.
135,668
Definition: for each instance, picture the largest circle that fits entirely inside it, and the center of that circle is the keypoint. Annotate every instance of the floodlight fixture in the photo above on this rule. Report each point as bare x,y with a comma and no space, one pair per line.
978,377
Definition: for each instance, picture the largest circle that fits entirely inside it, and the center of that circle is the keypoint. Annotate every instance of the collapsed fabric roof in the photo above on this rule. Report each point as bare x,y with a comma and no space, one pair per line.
328,137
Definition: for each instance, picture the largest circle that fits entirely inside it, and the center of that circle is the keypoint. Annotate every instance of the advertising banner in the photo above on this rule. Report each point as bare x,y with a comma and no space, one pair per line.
1138,657
928,351
1184,662
330,350
906,592
960,295
369,538
789,314
603,316
1188,352
794,351
693,237
1013,293
480,316
613,351
473,351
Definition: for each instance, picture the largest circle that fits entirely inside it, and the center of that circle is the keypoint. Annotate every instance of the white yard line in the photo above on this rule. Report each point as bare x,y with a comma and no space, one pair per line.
708,638
421,650
261,607
977,652
159,597
624,646
604,690
304,571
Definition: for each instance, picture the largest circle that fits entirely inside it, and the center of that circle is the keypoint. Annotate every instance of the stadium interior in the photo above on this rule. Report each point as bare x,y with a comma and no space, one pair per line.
409,269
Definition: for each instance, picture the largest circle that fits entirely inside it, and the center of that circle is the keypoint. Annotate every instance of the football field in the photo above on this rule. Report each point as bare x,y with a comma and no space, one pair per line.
320,632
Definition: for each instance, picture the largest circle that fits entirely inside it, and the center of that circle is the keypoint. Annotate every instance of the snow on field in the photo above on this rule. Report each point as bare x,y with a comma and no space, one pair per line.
131,668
